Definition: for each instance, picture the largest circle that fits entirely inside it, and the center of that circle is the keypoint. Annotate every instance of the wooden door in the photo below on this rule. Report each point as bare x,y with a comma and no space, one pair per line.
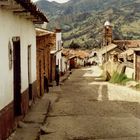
72,63
51,68
40,79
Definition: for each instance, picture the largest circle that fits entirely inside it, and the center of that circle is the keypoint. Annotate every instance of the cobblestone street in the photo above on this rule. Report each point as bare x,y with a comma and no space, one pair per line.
91,110
82,108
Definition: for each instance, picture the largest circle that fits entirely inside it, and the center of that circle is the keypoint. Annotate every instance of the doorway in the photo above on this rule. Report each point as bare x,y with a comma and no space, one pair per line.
137,67
29,73
40,79
17,75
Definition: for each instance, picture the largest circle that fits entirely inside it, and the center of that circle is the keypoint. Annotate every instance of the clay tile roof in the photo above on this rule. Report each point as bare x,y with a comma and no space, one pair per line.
128,52
65,52
108,48
75,53
32,8
82,54
43,32
128,43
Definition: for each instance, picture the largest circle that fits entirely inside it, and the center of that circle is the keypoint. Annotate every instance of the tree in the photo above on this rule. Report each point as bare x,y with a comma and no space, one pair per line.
74,45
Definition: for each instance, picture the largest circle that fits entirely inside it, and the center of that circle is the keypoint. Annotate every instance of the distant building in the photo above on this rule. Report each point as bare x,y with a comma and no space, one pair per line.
107,52
125,49
59,48
73,58
45,59
122,45
65,61
137,64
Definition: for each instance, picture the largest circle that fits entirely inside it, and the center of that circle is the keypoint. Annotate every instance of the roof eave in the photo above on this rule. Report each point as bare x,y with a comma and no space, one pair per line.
25,9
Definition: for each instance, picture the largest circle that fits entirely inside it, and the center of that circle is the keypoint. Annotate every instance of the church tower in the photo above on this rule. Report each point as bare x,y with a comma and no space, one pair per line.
107,33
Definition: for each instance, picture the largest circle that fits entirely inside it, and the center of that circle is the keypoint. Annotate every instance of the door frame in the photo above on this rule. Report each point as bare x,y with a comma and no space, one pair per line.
17,75
29,73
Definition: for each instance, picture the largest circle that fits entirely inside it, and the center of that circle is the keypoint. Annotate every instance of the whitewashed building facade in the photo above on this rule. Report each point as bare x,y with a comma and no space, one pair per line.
59,49
18,60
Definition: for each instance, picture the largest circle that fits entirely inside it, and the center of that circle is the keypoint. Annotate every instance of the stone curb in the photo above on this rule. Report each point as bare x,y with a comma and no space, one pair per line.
47,111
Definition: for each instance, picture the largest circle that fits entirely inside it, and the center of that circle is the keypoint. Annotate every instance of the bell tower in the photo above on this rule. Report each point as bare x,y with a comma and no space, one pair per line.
107,33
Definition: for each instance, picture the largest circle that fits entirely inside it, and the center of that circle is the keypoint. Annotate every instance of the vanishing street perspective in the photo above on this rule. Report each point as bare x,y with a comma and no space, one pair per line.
70,70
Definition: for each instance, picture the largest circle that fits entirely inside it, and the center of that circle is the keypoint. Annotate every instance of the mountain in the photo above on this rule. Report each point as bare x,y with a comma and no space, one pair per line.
82,20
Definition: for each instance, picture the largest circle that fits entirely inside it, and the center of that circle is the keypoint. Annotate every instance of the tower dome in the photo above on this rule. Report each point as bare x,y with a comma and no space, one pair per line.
107,23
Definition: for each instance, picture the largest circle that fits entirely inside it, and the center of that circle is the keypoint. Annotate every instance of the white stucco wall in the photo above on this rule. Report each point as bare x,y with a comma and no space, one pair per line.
64,64
80,62
100,58
129,72
58,38
11,26
58,47
58,59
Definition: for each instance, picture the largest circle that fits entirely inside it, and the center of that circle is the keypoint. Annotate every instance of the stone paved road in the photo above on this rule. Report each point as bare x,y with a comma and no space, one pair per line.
84,111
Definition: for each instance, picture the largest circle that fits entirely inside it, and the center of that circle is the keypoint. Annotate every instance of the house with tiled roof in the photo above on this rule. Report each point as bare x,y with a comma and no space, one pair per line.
121,45
65,60
127,44
127,51
18,60
46,59
74,58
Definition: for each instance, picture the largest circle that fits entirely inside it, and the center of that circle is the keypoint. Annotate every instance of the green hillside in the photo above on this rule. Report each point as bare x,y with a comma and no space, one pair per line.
82,20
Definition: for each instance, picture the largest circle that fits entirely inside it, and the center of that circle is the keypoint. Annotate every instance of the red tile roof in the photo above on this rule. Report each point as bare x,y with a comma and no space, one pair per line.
75,53
127,43
32,8
25,6
108,48
44,32
128,52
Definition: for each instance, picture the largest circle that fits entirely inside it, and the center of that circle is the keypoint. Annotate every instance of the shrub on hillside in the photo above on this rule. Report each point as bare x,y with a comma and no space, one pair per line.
74,45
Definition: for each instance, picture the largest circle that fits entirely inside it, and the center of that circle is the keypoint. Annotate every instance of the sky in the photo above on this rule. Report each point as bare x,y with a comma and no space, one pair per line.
59,1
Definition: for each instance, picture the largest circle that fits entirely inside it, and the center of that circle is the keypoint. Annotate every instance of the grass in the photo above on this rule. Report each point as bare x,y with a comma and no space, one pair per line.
119,78
131,27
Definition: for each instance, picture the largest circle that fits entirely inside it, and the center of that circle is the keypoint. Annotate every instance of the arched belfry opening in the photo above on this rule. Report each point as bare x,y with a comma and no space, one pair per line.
107,33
